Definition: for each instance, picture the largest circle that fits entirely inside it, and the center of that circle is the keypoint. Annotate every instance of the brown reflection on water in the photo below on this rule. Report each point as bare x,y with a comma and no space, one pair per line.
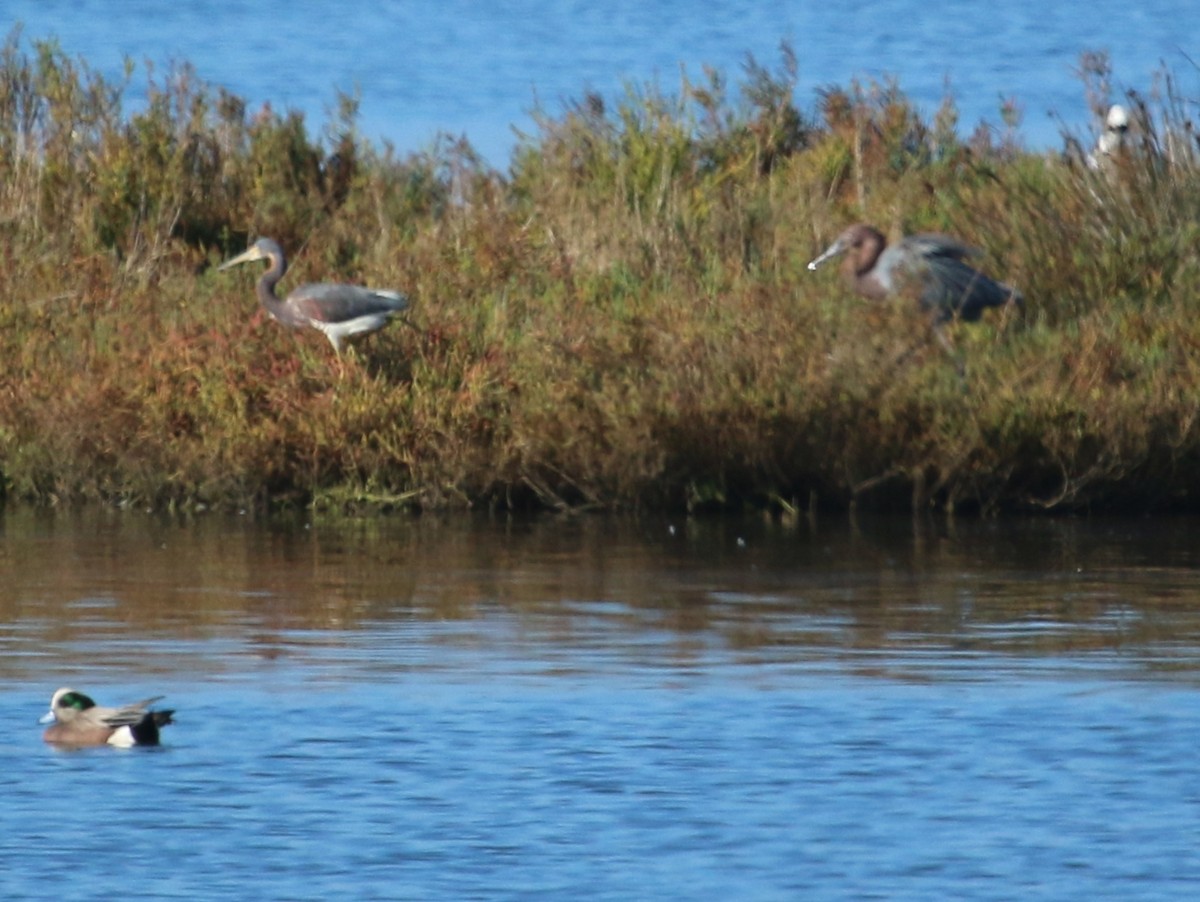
753,590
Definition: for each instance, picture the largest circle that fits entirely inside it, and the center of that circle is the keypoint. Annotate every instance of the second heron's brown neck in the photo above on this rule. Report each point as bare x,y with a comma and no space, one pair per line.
865,246
865,250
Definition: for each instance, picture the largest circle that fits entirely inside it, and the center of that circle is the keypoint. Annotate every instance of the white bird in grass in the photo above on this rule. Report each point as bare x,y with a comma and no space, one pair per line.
1111,143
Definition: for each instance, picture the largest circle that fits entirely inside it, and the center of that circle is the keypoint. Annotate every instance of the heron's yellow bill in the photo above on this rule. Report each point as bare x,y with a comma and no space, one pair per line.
250,254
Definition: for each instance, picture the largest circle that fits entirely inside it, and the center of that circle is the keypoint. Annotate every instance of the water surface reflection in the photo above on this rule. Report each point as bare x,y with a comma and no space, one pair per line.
115,589
469,708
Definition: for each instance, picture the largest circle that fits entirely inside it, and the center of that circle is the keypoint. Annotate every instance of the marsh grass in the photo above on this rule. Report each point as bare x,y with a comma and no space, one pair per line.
623,319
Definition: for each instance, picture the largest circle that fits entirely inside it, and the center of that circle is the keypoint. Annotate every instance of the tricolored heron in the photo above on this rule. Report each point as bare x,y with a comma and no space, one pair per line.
931,266
339,311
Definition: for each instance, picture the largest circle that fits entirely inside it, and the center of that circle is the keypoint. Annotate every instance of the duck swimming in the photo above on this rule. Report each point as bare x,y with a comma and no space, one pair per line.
78,721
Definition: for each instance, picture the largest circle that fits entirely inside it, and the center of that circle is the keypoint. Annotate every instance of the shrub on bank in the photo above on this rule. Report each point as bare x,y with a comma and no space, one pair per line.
623,319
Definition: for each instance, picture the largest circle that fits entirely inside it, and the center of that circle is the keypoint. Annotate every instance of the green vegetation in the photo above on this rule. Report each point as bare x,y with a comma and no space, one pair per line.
623,319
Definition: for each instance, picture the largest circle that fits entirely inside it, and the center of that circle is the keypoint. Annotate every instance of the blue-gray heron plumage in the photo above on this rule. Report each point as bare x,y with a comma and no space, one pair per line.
337,310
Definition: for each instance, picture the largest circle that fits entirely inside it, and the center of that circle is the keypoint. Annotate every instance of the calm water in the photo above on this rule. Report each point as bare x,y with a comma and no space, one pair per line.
464,66
458,708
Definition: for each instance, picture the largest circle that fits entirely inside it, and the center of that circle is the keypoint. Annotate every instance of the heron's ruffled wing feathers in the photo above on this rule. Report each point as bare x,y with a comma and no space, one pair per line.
334,303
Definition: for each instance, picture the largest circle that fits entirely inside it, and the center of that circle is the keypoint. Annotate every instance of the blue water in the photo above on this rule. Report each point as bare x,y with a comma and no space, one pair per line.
476,68
619,787
459,708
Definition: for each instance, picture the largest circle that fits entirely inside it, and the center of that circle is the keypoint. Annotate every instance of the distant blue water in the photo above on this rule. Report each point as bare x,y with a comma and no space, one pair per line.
477,68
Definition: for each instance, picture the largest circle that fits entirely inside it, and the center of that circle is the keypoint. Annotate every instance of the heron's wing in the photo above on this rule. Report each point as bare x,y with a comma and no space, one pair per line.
933,245
333,303
951,288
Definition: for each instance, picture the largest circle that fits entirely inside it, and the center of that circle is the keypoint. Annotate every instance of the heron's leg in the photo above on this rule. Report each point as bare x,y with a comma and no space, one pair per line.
337,354
948,346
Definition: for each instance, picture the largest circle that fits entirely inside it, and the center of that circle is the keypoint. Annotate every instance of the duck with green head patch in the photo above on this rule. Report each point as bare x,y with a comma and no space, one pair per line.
77,720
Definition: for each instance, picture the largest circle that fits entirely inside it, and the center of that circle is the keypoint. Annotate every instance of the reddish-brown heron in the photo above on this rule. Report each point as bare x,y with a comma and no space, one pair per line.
931,267
339,311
